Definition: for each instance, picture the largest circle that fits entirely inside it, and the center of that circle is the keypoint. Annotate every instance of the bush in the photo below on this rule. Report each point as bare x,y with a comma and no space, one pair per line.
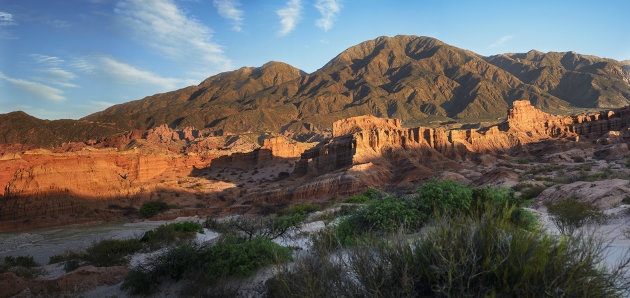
389,214
569,214
111,252
22,266
458,256
444,197
261,227
151,208
578,158
230,257
368,195
532,192
170,233
298,209
360,199
523,161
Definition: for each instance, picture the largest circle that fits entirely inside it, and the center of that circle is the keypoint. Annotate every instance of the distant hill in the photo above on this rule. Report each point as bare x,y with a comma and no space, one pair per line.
415,79
583,81
19,127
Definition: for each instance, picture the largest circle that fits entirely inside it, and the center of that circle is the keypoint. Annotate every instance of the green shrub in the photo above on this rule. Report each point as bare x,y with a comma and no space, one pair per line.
298,209
445,196
22,261
532,192
569,214
230,257
523,161
170,233
372,194
389,214
360,199
578,158
111,252
368,195
458,256
151,208
22,266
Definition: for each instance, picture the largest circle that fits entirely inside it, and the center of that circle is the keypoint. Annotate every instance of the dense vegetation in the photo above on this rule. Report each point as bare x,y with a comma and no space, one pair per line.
230,257
448,241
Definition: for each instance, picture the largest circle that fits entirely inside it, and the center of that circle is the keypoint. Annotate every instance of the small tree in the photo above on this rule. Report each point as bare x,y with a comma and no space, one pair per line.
569,214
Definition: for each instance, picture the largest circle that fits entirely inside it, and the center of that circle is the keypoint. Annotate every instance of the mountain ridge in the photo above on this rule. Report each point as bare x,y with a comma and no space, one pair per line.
415,79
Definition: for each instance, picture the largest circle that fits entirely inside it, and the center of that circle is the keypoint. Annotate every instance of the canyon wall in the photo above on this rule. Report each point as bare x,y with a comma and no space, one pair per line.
363,139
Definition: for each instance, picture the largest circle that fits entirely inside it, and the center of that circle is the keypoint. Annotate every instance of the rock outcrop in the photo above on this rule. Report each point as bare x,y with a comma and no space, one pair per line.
50,186
273,149
364,139
604,194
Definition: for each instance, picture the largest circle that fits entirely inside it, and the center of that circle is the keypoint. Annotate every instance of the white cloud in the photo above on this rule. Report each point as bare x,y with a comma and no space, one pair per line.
329,9
163,26
53,74
58,74
83,64
290,16
501,41
228,10
43,59
40,90
6,19
128,74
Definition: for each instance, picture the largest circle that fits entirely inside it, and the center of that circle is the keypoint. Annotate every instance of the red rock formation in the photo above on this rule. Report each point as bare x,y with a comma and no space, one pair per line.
363,139
273,149
44,185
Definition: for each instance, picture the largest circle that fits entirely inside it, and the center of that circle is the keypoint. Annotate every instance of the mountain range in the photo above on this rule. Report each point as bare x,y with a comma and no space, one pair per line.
415,79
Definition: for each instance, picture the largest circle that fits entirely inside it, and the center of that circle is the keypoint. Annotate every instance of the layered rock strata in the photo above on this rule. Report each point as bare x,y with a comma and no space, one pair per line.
363,139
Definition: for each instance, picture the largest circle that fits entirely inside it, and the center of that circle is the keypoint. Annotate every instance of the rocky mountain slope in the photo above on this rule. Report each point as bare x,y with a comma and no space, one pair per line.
415,79
19,127
419,80
584,81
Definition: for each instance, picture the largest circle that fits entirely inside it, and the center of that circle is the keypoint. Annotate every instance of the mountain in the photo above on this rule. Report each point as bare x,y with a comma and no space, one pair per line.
19,127
584,81
415,79
407,77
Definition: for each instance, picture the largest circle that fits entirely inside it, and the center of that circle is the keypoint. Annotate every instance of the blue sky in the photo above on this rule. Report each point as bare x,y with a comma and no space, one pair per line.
70,58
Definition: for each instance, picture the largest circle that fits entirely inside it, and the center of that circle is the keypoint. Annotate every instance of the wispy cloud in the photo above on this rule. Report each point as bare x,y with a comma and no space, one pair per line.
6,19
53,73
36,89
43,59
290,15
124,73
501,41
163,26
329,9
228,9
